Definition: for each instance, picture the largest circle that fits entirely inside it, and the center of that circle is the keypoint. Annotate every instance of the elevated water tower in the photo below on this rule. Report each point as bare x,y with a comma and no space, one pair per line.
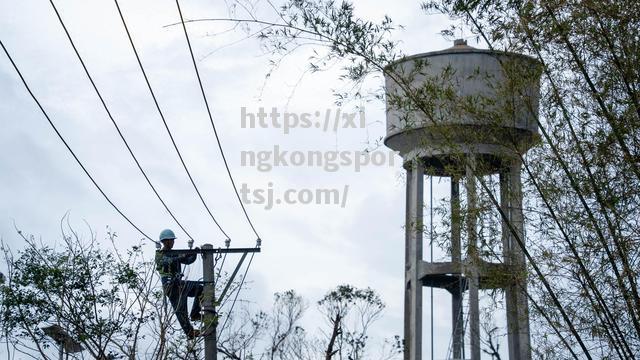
469,115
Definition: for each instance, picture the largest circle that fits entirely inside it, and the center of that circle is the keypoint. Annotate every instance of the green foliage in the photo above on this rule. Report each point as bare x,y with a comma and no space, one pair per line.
350,311
582,178
94,294
337,37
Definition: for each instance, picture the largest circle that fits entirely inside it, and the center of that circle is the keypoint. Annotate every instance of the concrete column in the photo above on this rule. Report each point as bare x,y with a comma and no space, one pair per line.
413,257
472,262
515,295
456,257
511,303
208,305
518,259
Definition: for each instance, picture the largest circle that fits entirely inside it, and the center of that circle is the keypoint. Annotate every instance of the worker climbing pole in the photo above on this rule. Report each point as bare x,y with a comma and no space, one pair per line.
175,289
168,264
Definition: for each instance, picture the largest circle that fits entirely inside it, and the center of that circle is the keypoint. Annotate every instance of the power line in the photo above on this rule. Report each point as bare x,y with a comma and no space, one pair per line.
166,126
204,97
24,82
104,105
235,189
215,281
235,299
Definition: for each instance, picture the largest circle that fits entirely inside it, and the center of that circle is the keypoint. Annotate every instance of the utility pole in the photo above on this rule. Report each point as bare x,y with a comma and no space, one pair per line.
209,318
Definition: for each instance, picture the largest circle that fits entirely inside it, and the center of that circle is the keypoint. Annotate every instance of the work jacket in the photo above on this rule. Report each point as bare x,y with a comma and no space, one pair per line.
168,265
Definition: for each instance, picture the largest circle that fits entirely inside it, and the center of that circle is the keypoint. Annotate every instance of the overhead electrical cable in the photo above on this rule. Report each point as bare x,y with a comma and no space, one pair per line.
115,124
24,82
166,126
235,189
204,97
235,298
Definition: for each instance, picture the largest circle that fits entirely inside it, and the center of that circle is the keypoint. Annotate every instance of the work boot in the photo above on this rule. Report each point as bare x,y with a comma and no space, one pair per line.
193,333
195,316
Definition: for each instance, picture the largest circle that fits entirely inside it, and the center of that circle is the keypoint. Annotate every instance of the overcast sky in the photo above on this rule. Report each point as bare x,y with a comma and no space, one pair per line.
310,248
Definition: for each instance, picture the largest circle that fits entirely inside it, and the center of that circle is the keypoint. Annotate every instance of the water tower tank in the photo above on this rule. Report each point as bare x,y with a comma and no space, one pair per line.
466,114
462,100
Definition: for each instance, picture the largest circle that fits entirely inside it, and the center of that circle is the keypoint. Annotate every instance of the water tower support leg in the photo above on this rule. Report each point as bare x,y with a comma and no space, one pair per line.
474,303
456,257
515,294
413,257
506,197
518,258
